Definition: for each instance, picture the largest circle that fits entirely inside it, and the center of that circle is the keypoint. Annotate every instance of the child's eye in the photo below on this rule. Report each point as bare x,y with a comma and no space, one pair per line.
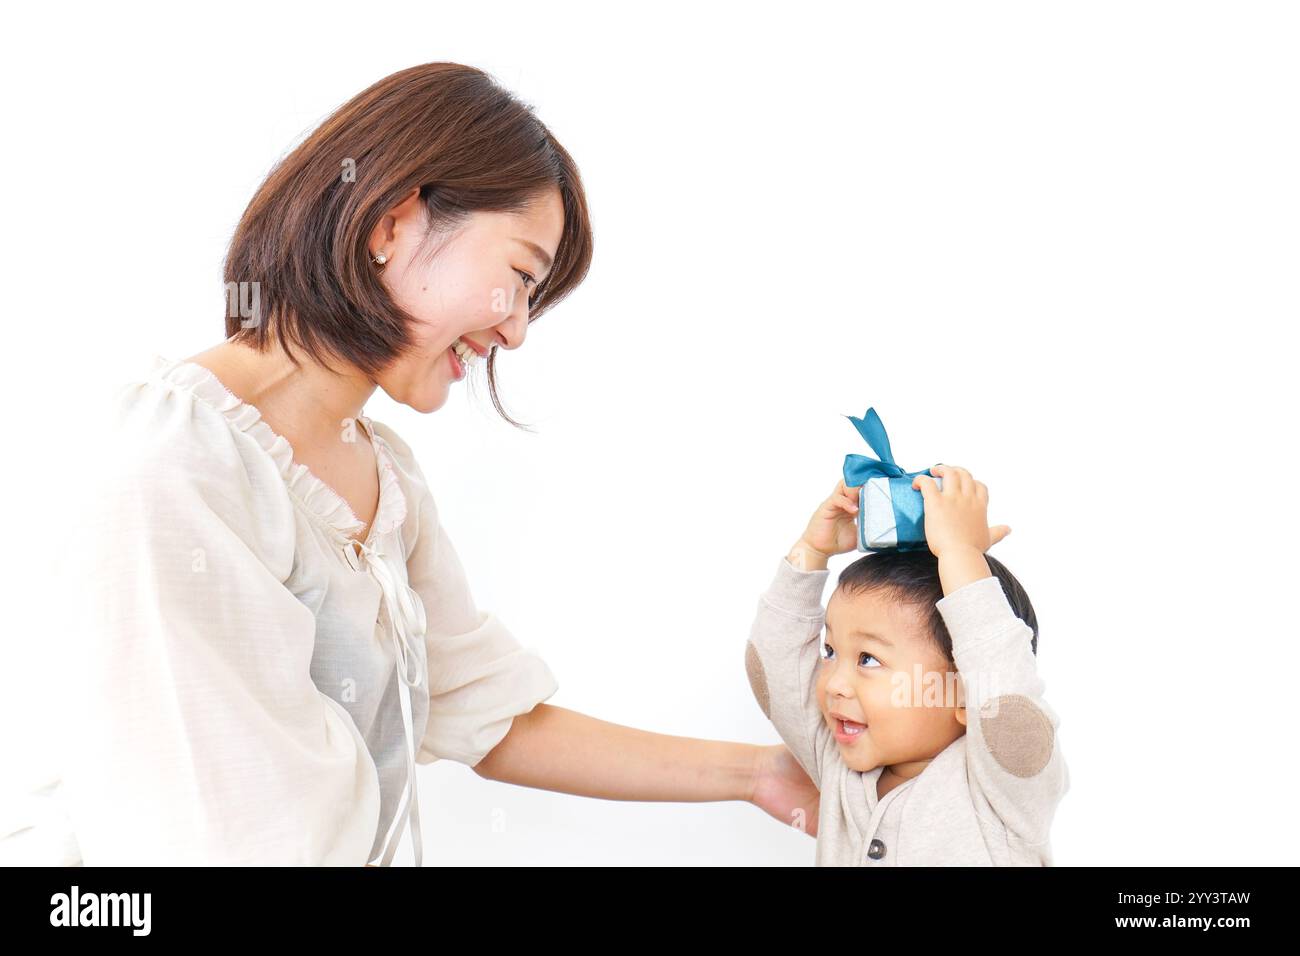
828,652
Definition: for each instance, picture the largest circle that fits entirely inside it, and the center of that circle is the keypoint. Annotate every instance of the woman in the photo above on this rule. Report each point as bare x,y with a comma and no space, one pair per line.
284,629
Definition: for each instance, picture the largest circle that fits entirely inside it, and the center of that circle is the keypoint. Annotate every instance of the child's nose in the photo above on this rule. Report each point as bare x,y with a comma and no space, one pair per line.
837,684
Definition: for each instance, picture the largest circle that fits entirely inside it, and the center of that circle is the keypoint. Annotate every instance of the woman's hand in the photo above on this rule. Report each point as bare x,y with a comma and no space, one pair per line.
833,526
783,790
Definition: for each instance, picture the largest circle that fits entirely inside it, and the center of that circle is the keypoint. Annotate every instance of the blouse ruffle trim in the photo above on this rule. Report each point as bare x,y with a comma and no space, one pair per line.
319,498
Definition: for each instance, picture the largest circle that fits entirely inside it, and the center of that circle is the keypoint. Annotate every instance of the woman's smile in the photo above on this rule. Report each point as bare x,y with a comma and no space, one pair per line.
464,352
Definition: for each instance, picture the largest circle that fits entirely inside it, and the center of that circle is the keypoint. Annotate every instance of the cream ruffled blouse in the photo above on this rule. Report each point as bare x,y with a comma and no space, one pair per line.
251,689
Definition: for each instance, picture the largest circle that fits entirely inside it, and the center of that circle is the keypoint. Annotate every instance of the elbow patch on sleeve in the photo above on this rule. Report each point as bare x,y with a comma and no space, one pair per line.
1018,734
757,678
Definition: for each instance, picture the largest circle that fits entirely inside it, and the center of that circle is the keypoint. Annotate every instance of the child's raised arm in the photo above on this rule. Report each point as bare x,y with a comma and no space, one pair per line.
784,645
1013,755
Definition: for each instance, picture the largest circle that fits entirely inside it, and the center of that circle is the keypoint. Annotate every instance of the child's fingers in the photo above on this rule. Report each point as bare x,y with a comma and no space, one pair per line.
940,471
842,502
951,479
956,480
846,495
997,533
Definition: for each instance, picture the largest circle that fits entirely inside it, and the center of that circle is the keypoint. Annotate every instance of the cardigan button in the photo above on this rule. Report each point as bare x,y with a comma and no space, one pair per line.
876,850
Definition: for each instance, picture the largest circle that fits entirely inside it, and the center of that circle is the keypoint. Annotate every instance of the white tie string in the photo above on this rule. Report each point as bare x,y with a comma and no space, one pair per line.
407,624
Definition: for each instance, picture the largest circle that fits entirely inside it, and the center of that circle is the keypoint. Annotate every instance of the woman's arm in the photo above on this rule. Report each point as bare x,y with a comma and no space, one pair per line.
553,748
487,706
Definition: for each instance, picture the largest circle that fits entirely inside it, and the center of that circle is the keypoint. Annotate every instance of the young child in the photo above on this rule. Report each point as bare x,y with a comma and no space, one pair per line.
916,767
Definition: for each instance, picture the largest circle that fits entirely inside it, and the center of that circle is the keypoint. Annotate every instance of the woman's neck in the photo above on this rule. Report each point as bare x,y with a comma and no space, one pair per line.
307,404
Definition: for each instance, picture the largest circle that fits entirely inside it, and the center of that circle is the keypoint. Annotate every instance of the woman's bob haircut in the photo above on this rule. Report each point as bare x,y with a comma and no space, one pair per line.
302,246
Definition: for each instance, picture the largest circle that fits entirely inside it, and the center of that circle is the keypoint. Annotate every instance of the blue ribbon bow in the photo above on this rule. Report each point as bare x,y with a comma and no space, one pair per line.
909,505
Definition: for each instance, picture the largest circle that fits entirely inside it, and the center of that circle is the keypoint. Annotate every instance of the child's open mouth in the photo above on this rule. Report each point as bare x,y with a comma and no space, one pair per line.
846,731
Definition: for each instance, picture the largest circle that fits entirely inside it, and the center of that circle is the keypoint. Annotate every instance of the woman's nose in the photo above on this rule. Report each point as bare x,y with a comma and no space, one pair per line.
511,333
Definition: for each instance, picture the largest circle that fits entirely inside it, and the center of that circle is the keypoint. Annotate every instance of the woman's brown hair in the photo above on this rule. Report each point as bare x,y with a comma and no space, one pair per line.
302,244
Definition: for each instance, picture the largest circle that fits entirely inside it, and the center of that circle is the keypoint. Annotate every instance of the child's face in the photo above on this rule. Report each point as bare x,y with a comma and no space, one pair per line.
896,682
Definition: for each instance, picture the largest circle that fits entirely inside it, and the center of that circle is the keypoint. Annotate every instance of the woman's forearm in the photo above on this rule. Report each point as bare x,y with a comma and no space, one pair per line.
552,748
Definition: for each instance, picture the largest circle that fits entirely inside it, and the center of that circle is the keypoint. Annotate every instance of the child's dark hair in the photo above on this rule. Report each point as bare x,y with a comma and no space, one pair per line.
912,577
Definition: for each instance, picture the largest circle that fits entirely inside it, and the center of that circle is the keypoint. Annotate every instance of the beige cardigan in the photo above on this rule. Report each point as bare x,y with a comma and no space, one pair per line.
986,800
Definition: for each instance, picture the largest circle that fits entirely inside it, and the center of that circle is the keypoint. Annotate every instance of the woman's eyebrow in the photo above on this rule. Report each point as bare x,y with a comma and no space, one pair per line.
537,251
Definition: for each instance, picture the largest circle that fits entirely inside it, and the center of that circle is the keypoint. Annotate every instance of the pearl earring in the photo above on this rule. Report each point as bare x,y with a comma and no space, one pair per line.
380,259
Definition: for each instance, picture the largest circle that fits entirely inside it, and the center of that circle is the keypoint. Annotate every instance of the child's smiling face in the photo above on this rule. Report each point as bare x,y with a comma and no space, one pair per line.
881,668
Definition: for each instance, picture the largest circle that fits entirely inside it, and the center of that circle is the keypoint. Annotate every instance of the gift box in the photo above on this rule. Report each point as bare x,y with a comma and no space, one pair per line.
891,513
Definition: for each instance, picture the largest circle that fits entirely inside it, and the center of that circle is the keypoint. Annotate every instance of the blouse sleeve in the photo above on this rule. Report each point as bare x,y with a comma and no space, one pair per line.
200,737
480,676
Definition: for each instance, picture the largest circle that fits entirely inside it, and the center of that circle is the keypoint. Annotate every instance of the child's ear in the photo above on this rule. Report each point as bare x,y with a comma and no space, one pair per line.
960,714
960,711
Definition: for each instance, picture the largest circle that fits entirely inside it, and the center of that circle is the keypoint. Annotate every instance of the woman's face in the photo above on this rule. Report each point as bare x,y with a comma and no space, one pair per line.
473,285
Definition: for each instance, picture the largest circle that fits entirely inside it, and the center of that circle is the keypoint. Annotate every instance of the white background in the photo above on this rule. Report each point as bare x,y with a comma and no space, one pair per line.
1053,243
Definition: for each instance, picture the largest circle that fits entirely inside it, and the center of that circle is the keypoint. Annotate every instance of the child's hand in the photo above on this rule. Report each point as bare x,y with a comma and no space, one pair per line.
833,527
956,518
